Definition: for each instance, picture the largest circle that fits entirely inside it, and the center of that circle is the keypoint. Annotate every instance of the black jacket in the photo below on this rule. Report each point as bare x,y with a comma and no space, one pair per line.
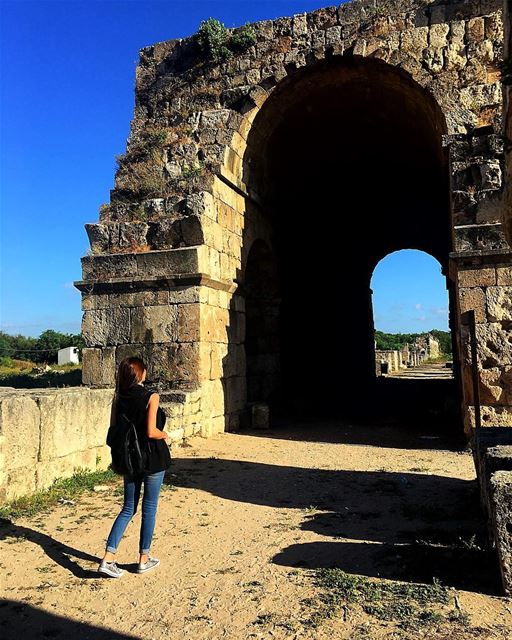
134,404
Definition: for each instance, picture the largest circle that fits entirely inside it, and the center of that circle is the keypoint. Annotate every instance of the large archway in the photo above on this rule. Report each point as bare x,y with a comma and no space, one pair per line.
345,161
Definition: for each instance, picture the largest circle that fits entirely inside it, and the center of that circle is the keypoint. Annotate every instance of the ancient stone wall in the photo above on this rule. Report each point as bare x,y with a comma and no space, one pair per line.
167,271
47,434
507,116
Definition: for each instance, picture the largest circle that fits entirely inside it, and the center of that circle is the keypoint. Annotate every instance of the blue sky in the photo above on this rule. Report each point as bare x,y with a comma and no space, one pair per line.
409,293
68,71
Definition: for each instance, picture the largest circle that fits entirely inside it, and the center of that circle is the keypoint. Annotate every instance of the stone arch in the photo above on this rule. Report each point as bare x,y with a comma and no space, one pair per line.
359,89
169,250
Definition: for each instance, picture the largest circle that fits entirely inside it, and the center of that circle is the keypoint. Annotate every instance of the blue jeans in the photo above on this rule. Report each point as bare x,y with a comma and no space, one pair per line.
132,486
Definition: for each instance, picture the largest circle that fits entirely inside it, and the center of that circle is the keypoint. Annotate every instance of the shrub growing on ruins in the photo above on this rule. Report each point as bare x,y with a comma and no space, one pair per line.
244,38
217,42
213,37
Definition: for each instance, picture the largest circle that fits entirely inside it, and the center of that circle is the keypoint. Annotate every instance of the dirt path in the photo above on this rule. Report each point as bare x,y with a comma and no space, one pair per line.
240,536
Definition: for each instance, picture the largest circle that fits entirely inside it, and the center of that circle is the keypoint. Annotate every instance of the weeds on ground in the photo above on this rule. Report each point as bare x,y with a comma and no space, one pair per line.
410,606
62,490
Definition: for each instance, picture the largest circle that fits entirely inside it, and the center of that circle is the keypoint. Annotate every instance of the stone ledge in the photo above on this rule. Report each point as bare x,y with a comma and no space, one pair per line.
130,285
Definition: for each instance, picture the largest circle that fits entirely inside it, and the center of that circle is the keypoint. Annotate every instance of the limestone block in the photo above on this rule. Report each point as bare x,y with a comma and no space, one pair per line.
495,386
170,262
185,295
498,416
504,275
477,277
132,235
457,32
178,363
103,327
475,29
20,481
438,35
193,230
219,367
473,298
109,266
414,41
164,233
494,345
98,366
260,415
154,324
98,235
63,424
490,173
213,399
236,393
188,322
49,470
478,237
455,57
501,507
499,303
433,58
20,429
204,365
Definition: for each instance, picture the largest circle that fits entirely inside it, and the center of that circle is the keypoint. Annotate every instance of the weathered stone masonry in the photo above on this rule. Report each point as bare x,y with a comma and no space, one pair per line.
198,198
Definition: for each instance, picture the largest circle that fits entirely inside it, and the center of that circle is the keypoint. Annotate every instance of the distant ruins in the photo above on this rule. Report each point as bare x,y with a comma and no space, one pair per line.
389,361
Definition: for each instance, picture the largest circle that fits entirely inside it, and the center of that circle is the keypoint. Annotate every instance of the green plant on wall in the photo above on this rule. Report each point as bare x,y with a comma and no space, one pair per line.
192,171
219,44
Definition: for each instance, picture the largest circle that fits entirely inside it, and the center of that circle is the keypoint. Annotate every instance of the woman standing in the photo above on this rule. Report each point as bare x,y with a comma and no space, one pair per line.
141,406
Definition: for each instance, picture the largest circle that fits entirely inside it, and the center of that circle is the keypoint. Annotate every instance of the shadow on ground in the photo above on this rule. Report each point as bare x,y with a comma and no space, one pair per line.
59,552
18,619
413,526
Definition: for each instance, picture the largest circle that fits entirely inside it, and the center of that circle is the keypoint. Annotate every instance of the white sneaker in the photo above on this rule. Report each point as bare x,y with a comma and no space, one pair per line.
147,566
110,569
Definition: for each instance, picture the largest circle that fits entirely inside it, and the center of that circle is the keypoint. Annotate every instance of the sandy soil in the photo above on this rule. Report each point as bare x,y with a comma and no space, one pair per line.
240,534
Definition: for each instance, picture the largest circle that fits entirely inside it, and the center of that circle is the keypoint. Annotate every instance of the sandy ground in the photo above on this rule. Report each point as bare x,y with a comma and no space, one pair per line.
249,519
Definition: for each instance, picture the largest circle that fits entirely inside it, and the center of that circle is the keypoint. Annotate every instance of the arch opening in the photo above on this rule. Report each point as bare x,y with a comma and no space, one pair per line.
344,164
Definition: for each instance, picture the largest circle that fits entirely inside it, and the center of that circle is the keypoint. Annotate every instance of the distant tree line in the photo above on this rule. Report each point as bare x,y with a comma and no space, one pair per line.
392,341
41,349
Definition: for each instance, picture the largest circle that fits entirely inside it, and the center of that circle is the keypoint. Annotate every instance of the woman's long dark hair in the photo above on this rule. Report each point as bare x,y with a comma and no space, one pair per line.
129,373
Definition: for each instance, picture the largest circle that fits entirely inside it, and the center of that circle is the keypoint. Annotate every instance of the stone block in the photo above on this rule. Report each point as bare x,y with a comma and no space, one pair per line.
49,470
482,277
63,432
499,303
494,345
189,322
104,327
473,298
154,324
260,415
501,508
167,263
109,266
504,275
99,367
20,429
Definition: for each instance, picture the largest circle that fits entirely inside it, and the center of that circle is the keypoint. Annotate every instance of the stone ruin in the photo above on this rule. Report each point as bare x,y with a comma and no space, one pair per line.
392,360
219,257
257,194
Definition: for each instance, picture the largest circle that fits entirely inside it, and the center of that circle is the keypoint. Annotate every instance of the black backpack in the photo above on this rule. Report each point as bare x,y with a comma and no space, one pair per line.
129,454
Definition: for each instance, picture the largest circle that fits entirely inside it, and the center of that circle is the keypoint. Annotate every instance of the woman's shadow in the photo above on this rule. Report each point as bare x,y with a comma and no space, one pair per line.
57,551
